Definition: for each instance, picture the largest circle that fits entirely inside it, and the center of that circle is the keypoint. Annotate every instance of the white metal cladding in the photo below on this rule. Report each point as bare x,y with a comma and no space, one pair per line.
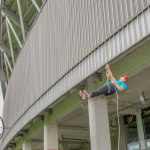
65,32
129,35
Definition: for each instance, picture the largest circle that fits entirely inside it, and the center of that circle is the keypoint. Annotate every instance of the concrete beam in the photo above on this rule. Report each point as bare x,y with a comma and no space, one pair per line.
13,17
125,111
74,128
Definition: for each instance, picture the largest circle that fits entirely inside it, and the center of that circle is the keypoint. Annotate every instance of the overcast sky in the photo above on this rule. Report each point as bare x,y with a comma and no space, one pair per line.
1,101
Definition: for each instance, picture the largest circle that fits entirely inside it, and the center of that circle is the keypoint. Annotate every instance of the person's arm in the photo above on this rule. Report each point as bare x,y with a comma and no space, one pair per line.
112,78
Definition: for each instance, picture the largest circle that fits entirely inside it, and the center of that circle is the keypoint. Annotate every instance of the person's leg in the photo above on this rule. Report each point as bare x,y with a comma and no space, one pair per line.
83,96
100,91
112,89
104,90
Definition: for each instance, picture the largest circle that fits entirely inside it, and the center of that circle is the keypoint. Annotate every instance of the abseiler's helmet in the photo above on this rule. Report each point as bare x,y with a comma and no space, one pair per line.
126,78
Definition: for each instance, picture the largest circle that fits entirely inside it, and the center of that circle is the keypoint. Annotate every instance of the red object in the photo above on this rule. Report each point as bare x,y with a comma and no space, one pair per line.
126,78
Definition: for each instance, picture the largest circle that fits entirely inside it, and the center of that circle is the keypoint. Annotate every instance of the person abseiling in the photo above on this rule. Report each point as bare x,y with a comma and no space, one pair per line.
109,88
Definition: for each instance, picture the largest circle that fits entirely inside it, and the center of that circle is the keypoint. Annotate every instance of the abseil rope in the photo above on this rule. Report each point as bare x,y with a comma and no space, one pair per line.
117,98
107,75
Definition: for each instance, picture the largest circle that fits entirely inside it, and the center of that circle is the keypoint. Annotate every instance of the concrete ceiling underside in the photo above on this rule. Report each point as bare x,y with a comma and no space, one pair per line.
74,127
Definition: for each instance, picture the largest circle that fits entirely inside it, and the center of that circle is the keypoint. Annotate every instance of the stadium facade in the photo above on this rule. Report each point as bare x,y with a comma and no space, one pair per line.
60,47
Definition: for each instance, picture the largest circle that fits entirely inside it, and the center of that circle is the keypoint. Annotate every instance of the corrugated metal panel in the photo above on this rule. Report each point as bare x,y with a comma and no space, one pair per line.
110,49
65,32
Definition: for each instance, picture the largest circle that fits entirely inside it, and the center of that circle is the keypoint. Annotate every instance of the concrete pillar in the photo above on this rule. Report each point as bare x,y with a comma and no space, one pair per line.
140,131
123,142
99,124
114,139
50,135
61,147
26,145
98,121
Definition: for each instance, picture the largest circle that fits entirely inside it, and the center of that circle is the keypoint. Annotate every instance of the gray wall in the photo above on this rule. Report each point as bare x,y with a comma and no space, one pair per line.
65,32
